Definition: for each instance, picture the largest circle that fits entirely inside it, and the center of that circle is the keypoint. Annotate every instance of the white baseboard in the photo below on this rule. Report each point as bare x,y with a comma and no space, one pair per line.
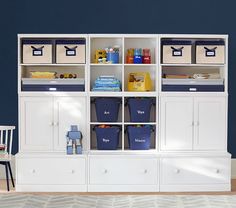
3,176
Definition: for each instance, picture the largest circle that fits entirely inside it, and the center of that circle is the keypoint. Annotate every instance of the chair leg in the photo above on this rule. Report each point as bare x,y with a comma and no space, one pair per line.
6,168
12,180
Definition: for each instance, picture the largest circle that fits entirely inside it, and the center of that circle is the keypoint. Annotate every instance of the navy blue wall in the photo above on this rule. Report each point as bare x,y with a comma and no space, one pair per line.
110,16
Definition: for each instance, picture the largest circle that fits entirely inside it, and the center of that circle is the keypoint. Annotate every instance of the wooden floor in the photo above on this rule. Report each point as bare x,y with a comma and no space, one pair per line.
3,189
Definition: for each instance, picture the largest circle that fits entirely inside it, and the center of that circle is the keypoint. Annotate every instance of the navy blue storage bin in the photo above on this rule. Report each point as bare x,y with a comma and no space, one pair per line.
107,138
139,137
107,109
139,109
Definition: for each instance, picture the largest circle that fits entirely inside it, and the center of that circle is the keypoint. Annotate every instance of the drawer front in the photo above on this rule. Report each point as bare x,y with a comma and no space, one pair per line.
185,171
51,171
123,171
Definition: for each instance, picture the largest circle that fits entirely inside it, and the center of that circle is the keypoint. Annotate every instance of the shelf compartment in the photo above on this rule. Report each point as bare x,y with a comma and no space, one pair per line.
93,113
93,138
132,69
152,139
183,78
194,41
142,110
65,84
101,70
143,43
105,42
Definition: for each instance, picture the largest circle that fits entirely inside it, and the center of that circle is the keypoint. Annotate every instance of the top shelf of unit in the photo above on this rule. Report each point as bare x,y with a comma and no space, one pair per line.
141,65
52,64
195,65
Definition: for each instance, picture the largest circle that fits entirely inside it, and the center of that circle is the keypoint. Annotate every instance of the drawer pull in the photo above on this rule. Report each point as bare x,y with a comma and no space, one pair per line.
177,171
33,171
217,171
105,171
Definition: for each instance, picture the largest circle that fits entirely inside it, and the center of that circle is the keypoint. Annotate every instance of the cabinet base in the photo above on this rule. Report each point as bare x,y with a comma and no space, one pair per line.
51,188
196,188
123,188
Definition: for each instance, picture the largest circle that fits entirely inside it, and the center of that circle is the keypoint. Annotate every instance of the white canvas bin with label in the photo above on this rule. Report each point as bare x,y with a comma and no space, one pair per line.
176,52
210,52
37,51
70,51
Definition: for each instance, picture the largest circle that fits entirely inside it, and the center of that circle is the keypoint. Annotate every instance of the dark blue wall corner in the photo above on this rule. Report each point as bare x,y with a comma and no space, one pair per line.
107,16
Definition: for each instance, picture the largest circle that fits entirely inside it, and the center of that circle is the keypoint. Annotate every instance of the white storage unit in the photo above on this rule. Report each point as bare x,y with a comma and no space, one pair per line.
188,147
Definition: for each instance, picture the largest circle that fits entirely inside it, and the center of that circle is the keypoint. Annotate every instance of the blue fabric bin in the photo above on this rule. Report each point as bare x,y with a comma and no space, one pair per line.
139,137
139,109
107,109
107,138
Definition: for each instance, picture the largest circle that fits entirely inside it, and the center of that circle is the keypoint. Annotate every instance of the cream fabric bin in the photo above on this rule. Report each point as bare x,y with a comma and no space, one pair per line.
70,51
208,52
176,52
37,51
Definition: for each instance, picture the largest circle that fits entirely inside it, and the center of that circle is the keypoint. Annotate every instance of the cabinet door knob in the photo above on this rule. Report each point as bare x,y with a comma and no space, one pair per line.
51,123
105,171
72,171
145,171
33,171
217,171
177,171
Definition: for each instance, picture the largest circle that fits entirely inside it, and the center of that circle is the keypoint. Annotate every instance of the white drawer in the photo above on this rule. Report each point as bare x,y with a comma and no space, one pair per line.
51,171
186,171
123,171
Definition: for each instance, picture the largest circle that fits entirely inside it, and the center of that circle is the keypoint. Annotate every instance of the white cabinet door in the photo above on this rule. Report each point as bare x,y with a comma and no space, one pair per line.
68,111
176,123
210,123
36,115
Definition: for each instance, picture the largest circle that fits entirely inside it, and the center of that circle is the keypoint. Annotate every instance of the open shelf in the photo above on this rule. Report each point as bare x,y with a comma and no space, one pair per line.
105,42
143,43
133,69
153,141
93,114
101,70
93,139
152,113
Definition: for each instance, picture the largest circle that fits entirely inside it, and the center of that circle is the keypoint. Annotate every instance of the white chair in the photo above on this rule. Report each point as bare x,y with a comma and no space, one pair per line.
6,137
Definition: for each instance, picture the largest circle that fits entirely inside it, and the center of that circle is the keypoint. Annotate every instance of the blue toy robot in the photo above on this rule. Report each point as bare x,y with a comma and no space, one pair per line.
74,141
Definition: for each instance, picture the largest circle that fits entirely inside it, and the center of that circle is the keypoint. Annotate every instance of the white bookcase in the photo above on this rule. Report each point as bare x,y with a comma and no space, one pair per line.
188,149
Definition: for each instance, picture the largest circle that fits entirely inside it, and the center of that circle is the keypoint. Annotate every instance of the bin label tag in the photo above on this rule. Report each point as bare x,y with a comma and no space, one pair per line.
140,112
139,140
37,51
177,51
105,140
210,52
70,51
106,112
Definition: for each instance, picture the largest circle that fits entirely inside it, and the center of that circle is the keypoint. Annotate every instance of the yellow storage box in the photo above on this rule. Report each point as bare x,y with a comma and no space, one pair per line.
139,81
